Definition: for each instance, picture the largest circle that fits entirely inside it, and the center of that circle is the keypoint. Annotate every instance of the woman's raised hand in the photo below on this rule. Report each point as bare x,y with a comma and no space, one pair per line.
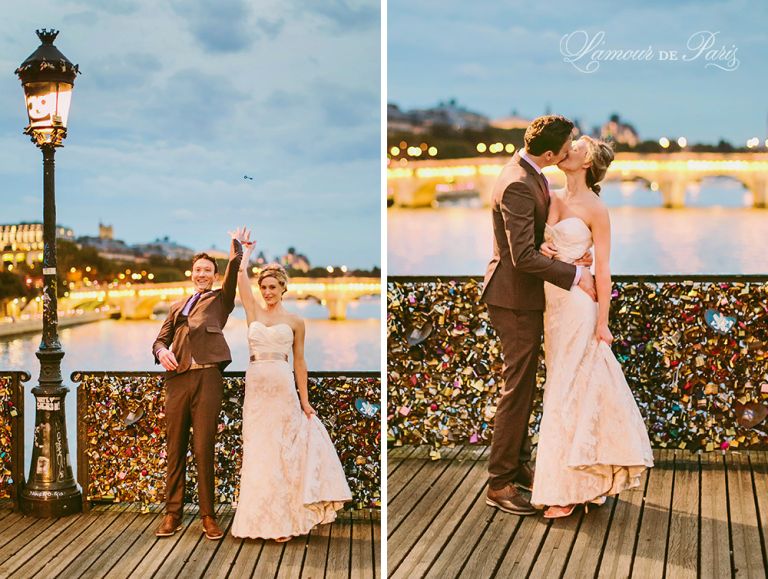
243,235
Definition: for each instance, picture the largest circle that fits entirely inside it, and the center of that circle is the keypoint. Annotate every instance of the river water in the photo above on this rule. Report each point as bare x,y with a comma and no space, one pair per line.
353,344
717,232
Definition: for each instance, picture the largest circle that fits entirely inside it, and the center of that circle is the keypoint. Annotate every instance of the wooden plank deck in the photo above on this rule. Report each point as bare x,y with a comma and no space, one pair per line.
694,515
118,541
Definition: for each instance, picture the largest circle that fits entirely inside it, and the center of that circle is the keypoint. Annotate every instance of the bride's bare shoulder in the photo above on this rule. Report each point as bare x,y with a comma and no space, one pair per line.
598,210
296,322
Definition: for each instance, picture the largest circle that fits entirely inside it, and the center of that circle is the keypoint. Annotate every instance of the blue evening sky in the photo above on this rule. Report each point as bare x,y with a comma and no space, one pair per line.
179,99
495,57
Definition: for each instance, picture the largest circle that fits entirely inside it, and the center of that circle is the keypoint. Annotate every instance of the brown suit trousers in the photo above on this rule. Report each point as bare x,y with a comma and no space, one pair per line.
192,399
520,336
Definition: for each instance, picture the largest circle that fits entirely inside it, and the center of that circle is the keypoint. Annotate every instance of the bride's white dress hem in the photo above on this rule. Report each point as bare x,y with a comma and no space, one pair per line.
291,479
593,441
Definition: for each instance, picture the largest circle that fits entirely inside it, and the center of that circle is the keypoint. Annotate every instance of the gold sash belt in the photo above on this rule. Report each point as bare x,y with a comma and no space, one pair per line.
262,356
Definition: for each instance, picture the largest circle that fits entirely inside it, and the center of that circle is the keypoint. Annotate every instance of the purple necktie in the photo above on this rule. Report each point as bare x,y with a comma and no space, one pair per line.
191,304
546,184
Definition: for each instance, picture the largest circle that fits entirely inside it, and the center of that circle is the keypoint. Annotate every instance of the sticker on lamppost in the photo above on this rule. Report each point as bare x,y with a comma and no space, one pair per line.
43,465
48,403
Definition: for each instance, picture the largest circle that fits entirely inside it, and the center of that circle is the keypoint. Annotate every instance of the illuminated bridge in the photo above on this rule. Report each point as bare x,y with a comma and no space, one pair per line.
420,182
138,301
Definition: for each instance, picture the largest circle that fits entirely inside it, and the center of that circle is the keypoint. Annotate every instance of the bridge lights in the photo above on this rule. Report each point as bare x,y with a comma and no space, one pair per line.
48,78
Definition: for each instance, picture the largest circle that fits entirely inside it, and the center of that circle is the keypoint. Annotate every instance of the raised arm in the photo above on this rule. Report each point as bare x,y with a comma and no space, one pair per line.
229,286
601,235
300,368
250,303
517,210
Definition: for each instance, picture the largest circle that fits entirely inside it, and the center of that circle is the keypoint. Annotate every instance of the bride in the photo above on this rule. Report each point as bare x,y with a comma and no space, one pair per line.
593,441
291,478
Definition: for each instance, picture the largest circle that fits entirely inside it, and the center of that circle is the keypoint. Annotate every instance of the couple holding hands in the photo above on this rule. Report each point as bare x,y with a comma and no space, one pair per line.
291,477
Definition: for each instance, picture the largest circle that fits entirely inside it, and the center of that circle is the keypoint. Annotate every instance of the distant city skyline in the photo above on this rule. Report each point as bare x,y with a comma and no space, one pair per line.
494,58
192,118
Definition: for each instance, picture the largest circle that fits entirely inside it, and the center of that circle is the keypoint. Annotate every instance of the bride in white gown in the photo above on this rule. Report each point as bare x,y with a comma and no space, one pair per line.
291,478
592,441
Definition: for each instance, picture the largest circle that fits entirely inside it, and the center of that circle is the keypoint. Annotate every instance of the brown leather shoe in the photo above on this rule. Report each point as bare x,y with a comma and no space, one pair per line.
524,478
168,527
509,500
211,528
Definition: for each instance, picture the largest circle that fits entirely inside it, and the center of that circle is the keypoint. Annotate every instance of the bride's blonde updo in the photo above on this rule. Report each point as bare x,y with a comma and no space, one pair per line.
600,154
276,271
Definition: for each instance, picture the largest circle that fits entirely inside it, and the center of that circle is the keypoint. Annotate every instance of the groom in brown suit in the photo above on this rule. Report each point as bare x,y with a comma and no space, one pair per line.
514,293
192,348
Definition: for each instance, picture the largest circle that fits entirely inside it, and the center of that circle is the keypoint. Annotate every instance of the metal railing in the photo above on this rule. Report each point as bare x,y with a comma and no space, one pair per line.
12,434
121,434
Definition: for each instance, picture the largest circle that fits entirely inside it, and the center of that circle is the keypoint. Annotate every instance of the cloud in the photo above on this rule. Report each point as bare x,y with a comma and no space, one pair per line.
178,101
190,105
112,7
343,15
131,71
221,26
345,107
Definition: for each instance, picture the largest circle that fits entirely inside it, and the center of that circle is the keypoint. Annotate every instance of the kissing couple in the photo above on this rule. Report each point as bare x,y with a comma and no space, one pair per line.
593,442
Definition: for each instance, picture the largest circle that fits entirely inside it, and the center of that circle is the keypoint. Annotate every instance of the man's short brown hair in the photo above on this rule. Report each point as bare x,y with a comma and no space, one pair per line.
547,133
203,255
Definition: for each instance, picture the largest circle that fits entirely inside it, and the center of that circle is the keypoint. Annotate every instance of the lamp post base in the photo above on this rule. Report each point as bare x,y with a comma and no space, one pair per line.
51,503
51,489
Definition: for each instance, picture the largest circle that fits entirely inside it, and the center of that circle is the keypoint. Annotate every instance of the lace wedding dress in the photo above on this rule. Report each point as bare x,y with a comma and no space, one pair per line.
291,479
592,441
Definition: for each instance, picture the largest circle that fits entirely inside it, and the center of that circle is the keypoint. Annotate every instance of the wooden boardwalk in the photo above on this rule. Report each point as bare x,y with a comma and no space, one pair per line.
693,516
119,541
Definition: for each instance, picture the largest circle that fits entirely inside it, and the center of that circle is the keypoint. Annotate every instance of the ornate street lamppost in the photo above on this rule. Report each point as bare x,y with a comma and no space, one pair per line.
51,491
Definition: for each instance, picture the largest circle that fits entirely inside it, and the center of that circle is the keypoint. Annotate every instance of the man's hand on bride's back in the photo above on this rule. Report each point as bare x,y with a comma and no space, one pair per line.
587,284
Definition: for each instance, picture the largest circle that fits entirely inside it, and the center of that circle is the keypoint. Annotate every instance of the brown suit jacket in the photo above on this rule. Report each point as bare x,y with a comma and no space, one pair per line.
202,337
516,274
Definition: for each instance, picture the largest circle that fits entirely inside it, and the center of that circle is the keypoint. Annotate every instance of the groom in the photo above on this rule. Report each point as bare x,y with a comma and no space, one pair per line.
192,348
514,293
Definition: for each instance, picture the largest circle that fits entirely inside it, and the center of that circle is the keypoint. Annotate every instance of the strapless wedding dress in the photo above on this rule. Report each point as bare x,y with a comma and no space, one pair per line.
291,479
592,441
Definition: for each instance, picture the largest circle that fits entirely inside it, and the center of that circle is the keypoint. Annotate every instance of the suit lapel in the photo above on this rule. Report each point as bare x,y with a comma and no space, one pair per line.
203,302
544,194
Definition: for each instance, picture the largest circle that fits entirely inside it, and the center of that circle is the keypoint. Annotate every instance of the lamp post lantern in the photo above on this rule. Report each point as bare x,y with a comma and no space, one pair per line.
51,491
